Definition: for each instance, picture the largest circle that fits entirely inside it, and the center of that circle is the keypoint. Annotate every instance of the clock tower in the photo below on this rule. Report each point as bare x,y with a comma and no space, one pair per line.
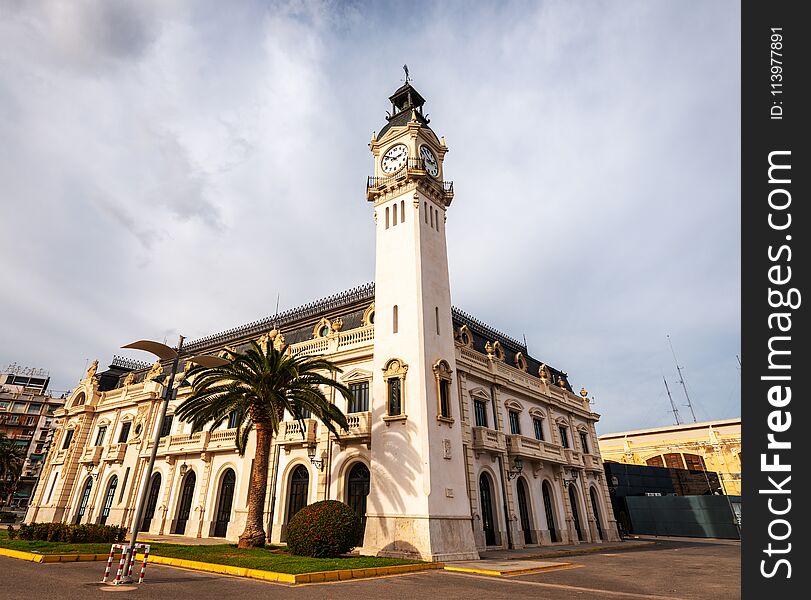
417,504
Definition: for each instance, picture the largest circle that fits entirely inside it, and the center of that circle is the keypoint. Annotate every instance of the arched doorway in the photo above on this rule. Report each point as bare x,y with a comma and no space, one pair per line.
488,522
523,511
108,499
575,513
594,505
548,508
226,500
357,488
186,499
151,502
299,487
83,500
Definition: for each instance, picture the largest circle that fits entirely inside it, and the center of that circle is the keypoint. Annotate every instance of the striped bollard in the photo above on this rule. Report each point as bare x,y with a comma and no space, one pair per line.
143,565
120,570
109,564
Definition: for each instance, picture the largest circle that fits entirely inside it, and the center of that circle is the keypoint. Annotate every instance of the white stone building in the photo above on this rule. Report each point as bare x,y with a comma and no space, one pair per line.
458,440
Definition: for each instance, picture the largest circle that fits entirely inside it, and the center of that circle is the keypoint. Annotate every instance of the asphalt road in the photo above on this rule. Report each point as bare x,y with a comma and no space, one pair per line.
667,570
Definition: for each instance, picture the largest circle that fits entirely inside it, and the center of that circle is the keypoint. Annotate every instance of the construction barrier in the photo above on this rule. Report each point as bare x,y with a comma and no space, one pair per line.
120,572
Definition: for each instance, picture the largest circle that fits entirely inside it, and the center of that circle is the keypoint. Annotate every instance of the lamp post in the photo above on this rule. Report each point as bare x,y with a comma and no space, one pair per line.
163,352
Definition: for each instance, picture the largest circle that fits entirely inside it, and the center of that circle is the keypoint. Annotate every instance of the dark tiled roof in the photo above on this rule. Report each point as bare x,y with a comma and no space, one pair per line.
401,119
297,325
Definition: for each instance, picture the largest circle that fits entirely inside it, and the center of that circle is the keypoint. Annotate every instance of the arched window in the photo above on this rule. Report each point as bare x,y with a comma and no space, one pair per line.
80,399
575,512
83,500
402,211
357,489
426,213
523,510
186,500
596,510
224,505
387,217
151,502
394,375
436,318
394,214
549,511
432,217
394,319
108,499
299,486
486,501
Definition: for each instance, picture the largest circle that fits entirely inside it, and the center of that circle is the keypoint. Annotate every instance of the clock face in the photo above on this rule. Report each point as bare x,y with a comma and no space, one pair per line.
394,159
429,160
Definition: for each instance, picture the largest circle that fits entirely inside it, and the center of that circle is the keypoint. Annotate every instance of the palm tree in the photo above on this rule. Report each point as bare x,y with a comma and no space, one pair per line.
258,386
11,463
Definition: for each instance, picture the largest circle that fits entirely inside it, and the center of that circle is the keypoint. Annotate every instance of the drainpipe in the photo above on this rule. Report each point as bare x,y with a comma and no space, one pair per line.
507,520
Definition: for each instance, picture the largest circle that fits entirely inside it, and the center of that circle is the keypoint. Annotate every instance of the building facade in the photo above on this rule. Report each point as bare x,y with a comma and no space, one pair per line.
26,416
708,446
458,440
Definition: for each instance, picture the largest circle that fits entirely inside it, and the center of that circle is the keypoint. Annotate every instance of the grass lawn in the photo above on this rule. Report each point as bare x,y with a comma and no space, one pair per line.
270,558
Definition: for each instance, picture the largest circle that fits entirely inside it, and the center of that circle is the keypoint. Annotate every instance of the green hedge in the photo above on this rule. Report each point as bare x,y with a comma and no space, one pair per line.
63,532
323,530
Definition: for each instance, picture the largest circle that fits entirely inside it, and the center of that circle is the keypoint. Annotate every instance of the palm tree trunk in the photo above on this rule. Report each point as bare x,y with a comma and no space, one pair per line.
254,534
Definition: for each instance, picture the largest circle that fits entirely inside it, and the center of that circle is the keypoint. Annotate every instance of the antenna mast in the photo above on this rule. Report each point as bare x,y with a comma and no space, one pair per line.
672,404
681,380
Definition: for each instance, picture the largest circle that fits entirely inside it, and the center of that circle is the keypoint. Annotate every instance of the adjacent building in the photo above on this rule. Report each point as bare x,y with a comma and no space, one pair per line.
709,446
458,440
26,416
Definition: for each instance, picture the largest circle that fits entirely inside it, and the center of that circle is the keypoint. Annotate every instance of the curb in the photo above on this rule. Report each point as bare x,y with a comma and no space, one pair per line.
316,577
511,572
50,558
595,550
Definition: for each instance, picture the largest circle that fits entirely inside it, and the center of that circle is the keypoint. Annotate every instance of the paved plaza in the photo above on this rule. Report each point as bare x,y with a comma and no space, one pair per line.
668,569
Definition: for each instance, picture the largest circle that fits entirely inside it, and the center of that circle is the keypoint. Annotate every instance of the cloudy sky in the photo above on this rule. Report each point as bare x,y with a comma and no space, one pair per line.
171,167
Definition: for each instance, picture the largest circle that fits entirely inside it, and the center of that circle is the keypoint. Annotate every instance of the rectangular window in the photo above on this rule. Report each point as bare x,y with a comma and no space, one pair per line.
124,485
18,407
125,432
166,426
68,438
445,398
584,442
480,412
394,400
564,436
674,461
695,462
655,461
515,424
537,423
33,409
304,413
29,420
100,435
233,419
360,397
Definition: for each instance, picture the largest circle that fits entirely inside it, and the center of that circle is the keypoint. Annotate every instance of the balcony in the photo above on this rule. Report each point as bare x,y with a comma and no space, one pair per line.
115,453
573,457
59,457
91,455
292,432
360,428
488,440
414,170
532,449
222,439
592,463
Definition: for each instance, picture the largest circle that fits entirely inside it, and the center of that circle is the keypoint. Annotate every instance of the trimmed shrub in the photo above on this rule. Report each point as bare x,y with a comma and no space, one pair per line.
63,532
324,529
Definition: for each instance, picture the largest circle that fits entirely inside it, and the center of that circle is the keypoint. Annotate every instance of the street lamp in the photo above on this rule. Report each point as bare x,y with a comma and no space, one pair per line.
163,352
518,466
319,464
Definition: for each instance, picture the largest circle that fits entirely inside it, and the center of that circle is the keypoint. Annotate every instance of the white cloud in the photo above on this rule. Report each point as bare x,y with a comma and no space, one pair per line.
174,166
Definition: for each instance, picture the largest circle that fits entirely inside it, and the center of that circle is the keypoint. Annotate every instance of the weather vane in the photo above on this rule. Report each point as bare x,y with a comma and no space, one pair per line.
407,78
